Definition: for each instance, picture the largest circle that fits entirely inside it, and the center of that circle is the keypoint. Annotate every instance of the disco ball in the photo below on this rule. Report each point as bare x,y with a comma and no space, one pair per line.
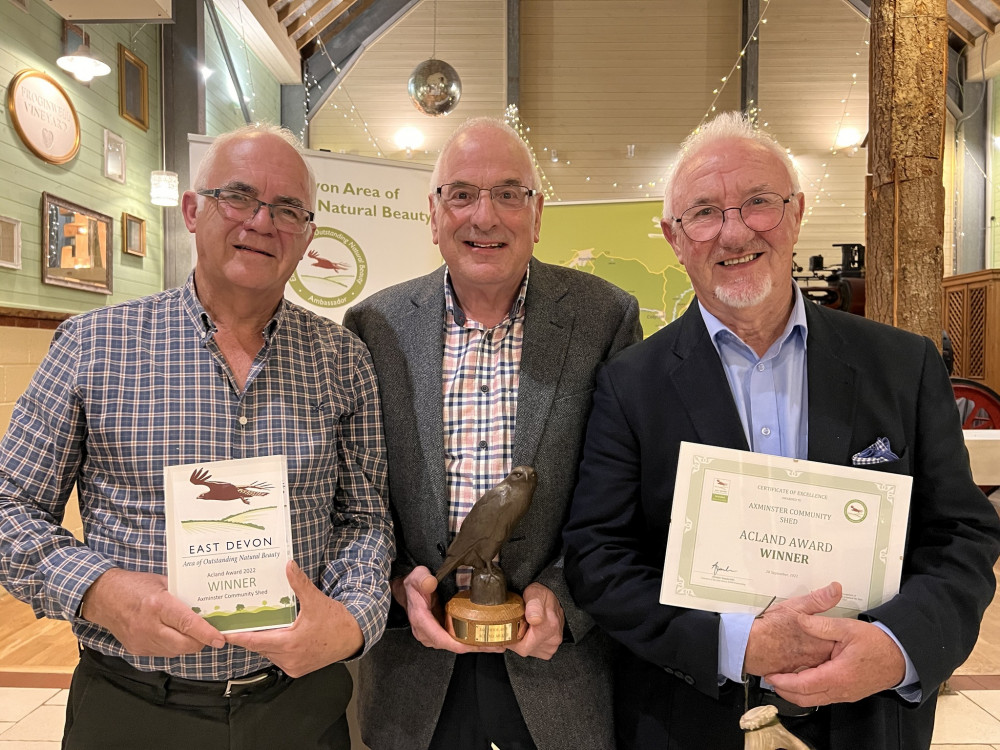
434,87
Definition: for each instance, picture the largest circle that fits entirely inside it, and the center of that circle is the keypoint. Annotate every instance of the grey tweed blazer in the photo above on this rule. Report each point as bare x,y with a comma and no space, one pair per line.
573,323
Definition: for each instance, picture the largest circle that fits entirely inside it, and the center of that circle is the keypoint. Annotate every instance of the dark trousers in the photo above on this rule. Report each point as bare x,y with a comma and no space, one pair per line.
114,707
480,708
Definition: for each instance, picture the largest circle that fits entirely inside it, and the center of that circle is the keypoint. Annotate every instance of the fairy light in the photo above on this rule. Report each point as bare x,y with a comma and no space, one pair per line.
842,126
752,110
512,116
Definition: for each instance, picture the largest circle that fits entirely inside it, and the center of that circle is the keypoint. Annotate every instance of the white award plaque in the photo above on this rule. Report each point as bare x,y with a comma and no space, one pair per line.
229,538
746,527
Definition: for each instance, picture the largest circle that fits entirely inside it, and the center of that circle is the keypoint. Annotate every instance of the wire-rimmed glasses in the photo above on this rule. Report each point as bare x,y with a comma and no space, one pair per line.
761,213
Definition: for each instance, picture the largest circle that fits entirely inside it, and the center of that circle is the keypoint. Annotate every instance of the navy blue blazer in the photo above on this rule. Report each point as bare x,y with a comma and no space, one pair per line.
865,380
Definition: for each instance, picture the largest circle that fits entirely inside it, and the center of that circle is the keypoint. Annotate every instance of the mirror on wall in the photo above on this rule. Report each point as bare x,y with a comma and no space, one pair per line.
77,246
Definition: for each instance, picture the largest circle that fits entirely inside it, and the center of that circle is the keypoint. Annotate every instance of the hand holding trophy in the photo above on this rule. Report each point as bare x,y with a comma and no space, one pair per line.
487,614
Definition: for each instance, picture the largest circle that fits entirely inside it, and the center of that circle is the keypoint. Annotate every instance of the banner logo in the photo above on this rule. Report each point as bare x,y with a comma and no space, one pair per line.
333,272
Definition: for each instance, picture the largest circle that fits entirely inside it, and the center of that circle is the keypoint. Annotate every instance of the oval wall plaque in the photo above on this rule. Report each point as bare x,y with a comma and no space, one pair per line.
43,116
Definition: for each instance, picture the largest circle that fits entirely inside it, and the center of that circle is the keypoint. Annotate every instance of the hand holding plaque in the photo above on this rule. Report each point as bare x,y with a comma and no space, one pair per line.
487,614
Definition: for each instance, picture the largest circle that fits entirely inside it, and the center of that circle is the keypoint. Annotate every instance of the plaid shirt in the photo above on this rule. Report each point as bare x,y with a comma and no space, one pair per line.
480,376
129,389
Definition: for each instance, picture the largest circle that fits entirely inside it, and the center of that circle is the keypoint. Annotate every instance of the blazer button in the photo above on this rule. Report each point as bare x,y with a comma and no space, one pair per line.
668,670
689,679
442,550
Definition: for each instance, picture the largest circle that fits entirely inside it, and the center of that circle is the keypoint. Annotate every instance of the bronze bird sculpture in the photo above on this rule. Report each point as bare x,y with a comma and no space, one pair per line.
490,522
225,490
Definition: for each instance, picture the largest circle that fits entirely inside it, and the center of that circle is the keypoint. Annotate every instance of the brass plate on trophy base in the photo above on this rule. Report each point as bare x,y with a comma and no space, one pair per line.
483,624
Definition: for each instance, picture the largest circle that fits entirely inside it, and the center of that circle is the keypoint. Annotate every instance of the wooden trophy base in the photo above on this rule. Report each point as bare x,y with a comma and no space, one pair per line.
484,624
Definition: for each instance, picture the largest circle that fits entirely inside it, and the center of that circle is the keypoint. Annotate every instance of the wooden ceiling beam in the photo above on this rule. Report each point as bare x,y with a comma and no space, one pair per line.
307,17
977,15
289,9
345,20
960,31
333,15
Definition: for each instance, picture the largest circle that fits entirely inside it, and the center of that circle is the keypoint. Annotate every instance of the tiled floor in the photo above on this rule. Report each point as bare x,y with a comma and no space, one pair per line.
32,719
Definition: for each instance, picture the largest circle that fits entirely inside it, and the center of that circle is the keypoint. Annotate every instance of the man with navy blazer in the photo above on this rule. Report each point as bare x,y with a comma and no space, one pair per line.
753,366
484,364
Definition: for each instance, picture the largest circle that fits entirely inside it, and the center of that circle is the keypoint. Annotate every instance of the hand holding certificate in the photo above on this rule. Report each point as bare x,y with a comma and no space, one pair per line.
746,527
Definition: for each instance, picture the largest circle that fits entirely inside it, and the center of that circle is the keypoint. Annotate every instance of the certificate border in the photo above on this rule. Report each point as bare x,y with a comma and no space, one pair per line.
886,563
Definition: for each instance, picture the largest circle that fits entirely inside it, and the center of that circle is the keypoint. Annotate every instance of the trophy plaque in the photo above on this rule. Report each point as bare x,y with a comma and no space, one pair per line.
487,614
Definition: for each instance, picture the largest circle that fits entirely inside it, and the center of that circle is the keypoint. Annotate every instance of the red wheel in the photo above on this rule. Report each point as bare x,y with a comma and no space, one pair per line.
978,405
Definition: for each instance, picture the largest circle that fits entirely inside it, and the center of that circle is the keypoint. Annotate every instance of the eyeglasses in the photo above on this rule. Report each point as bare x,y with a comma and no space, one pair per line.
242,207
761,213
458,195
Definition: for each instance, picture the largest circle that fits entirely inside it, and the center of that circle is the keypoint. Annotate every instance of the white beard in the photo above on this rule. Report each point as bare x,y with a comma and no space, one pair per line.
744,294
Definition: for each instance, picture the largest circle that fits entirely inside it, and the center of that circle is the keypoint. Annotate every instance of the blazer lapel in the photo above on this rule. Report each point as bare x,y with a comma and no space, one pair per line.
701,380
832,392
423,342
548,324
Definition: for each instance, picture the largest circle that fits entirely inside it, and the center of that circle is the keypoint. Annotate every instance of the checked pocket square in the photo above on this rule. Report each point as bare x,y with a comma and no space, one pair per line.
878,452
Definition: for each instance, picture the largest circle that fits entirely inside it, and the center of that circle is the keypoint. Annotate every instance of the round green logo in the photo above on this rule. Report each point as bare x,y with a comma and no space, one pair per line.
855,511
333,271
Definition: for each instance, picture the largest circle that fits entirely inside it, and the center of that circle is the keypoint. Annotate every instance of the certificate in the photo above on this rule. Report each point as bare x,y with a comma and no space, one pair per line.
229,537
746,527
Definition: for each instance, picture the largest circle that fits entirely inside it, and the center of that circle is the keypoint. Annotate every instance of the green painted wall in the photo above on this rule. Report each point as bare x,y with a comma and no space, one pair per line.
259,86
34,40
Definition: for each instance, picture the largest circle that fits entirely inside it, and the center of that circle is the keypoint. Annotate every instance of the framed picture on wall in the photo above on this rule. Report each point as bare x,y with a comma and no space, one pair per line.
133,88
72,37
134,235
76,246
10,243
114,157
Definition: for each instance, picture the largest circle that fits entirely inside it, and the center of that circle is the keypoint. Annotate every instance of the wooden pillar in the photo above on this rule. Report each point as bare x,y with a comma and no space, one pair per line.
905,196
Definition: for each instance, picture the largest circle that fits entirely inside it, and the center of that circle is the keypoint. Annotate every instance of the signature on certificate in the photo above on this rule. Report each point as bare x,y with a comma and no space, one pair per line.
716,569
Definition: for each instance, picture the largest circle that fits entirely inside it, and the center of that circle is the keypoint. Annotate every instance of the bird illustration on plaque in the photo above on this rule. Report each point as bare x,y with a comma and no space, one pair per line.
229,538
487,614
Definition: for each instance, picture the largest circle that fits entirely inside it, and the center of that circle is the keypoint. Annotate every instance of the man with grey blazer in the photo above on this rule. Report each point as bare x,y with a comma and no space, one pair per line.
487,363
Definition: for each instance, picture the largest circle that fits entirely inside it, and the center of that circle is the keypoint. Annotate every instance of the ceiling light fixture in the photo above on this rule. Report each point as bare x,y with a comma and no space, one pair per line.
83,65
164,187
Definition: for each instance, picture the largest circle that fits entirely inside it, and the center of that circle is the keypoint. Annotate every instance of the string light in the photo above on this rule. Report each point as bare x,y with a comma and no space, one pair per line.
752,111
512,117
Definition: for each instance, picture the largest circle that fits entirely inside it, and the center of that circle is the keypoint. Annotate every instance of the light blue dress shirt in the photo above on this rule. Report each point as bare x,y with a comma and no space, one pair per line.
772,397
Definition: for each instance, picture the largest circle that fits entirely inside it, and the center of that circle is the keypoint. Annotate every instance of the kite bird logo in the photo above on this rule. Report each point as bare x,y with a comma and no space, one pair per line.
227,491
322,262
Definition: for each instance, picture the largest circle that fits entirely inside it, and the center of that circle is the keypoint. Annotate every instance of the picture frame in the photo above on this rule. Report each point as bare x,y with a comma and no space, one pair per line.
114,156
10,243
72,37
133,235
133,88
76,246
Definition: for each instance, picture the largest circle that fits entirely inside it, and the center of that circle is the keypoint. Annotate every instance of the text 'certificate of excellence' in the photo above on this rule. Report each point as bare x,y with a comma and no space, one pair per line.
746,527
229,537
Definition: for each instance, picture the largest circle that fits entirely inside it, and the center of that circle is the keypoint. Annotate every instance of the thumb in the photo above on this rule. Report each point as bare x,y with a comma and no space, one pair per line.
428,584
299,581
820,600
535,601
824,628
534,612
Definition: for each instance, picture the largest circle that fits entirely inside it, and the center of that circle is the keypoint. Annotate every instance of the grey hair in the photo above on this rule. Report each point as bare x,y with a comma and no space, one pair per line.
727,126
486,123
246,131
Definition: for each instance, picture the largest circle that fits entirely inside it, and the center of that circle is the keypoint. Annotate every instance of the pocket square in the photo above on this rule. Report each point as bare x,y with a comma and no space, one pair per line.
878,452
